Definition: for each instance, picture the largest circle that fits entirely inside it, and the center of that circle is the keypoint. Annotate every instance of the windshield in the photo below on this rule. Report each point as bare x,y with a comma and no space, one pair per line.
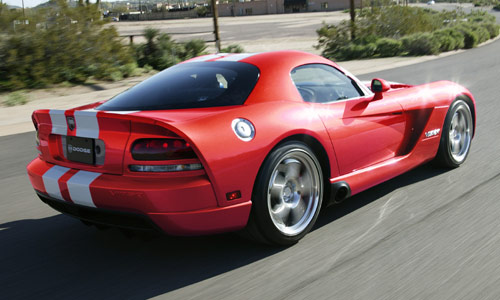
189,85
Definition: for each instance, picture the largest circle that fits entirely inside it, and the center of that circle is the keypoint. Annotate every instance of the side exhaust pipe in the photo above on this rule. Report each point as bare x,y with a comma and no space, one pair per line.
339,192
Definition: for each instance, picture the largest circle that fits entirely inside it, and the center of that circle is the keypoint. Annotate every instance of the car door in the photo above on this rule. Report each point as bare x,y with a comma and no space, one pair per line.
363,131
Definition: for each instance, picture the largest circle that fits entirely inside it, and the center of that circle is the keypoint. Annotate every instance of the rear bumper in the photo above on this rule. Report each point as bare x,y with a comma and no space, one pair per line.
184,205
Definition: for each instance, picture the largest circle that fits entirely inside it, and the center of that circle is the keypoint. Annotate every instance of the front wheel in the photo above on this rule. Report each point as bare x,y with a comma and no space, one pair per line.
457,135
287,195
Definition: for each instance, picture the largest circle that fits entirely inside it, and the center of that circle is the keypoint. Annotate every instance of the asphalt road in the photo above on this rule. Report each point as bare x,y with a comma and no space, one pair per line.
428,234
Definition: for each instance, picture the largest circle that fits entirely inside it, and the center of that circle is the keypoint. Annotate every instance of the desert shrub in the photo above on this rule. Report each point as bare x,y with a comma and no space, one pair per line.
16,98
446,42
470,37
458,37
421,44
480,16
161,52
130,69
420,31
355,51
449,39
368,50
493,29
233,48
395,21
332,38
482,33
192,49
70,47
387,47
201,11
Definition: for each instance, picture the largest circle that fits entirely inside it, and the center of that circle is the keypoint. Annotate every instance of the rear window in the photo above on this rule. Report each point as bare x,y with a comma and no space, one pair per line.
189,85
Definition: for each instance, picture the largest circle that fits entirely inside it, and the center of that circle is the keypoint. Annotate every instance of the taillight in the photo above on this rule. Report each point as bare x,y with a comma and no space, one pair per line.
37,139
35,123
165,168
162,149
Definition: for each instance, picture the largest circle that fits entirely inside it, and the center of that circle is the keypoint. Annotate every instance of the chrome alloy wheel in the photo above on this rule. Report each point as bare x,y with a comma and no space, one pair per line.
294,192
460,133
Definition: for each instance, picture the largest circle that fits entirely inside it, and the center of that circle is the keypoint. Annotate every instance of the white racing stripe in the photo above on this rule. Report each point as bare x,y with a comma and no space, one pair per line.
86,124
121,112
237,57
78,187
58,120
206,57
50,181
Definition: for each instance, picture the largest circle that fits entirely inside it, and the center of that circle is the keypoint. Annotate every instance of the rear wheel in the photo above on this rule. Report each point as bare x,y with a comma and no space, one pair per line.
287,195
456,136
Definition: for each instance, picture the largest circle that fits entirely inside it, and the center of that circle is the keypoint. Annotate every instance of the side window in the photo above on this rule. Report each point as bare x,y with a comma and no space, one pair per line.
322,83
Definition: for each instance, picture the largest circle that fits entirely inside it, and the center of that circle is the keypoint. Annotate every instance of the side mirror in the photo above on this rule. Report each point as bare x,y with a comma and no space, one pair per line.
380,86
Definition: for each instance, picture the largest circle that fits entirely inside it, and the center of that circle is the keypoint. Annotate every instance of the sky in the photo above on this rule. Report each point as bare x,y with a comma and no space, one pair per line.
27,3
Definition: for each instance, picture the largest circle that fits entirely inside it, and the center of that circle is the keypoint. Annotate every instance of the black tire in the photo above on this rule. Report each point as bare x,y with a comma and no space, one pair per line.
456,136
287,195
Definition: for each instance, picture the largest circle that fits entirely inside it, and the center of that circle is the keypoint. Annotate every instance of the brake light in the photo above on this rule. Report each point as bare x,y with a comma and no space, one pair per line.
162,149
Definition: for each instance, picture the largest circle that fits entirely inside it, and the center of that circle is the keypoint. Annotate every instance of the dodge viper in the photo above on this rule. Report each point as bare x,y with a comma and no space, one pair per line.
253,142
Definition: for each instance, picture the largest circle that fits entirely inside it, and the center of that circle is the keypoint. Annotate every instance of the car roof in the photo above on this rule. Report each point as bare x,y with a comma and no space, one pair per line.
290,58
274,82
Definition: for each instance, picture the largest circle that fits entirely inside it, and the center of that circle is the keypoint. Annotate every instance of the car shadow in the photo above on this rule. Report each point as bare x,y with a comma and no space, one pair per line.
336,211
58,257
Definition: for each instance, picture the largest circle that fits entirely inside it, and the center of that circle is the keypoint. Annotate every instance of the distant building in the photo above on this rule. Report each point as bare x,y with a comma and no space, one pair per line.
262,7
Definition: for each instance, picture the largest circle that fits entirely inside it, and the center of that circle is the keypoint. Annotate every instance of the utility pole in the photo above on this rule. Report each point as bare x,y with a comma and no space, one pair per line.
215,14
353,19
24,16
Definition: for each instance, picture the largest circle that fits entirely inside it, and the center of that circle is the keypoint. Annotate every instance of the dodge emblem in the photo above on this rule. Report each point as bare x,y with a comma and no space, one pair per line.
71,122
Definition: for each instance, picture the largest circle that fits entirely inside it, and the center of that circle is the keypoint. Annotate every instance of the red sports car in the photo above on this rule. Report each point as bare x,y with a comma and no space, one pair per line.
258,142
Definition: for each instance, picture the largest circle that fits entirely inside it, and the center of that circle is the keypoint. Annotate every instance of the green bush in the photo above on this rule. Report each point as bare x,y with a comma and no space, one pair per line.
16,98
356,51
482,33
201,11
71,47
233,48
421,44
193,48
420,32
129,70
161,52
446,42
470,37
449,39
394,21
480,16
493,29
332,39
387,47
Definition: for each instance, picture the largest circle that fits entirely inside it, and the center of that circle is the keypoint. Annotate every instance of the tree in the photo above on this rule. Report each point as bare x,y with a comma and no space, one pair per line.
69,45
